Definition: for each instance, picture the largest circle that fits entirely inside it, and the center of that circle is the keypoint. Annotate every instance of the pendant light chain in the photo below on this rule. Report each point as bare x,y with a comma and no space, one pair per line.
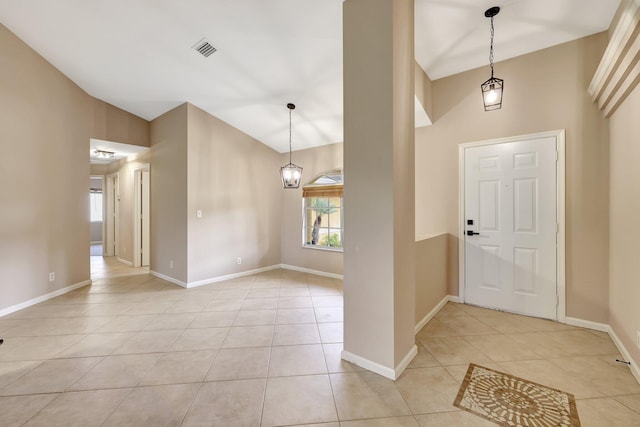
491,49
289,135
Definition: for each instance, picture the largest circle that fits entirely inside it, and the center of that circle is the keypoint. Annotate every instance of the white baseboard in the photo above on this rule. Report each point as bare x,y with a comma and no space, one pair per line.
406,360
586,324
211,280
379,369
454,298
635,370
430,315
310,271
168,278
130,264
43,298
230,276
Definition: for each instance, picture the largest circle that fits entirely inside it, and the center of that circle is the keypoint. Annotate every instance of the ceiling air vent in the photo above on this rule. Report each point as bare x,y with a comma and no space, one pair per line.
205,48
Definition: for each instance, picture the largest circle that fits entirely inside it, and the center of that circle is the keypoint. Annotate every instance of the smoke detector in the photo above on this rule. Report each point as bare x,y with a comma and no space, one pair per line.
204,48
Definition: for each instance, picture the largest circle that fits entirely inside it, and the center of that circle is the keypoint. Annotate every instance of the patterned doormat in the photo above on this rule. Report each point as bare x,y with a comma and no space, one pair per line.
515,402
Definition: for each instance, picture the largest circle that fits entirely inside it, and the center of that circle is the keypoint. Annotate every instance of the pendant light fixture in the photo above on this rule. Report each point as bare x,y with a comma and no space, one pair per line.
290,173
492,88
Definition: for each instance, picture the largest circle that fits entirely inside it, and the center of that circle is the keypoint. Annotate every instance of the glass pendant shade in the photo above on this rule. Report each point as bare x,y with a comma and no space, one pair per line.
492,89
492,94
290,173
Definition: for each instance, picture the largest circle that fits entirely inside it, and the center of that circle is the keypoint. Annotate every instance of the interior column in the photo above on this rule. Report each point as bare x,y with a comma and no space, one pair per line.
379,197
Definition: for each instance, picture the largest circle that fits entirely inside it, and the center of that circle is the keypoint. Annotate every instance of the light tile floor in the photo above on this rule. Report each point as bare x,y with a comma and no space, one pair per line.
265,351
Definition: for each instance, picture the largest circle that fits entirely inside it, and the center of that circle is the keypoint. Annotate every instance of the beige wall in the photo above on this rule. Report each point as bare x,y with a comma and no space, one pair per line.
116,125
544,90
314,161
168,175
624,292
431,274
233,179
46,122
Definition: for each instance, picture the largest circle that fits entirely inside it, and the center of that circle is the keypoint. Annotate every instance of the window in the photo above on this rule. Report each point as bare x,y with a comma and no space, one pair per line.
323,211
95,201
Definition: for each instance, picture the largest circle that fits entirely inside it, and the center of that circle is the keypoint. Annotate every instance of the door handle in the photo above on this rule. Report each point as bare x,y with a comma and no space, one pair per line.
471,233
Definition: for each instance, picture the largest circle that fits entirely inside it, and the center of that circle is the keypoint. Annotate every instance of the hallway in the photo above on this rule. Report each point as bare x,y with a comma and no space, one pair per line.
265,350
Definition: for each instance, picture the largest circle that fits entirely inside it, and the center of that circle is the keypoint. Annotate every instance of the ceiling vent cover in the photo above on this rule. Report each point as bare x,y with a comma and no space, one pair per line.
205,48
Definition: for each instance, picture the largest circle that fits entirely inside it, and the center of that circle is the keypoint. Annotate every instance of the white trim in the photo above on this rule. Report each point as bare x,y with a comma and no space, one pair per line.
203,282
137,207
392,374
559,135
586,324
461,225
453,298
322,248
168,279
97,242
561,291
111,218
42,298
406,360
310,271
230,276
429,236
618,71
125,262
625,354
430,315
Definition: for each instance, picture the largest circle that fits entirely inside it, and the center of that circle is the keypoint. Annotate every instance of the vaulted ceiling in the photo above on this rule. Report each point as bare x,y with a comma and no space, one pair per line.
138,55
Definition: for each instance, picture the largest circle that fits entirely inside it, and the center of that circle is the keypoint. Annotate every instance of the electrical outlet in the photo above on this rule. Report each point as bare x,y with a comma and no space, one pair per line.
52,276
198,213
239,260
171,264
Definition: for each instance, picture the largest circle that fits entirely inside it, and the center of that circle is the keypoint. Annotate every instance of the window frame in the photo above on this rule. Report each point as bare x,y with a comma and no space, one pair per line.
317,191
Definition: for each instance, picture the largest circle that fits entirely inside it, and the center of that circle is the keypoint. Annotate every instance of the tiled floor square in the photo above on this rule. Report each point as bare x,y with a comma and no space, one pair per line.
298,400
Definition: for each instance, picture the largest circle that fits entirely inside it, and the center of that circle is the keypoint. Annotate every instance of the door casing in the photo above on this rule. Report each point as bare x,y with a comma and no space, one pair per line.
560,211
111,237
137,227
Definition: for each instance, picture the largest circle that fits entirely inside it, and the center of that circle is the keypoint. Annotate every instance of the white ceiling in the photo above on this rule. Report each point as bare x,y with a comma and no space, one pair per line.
137,54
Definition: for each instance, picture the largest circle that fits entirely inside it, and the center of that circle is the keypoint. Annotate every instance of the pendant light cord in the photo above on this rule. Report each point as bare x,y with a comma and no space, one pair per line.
491,49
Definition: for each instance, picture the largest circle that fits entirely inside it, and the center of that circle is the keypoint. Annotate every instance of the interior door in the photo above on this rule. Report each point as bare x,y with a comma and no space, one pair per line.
511,226
144,225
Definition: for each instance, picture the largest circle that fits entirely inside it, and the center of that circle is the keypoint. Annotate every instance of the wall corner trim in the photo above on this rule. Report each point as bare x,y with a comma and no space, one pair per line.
42,298
635,369
168,278
392,374
619,70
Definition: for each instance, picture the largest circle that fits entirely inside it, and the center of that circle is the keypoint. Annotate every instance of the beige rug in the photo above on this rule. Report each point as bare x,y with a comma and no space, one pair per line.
515,402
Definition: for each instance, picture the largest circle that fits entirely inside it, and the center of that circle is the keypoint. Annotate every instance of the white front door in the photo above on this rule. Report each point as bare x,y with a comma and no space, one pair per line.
510,201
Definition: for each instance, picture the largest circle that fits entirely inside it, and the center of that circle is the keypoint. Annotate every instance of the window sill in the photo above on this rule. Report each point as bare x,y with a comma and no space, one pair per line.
323,248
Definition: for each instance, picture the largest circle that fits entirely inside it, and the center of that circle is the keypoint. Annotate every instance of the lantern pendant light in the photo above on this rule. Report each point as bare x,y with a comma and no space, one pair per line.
290,173
492,88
